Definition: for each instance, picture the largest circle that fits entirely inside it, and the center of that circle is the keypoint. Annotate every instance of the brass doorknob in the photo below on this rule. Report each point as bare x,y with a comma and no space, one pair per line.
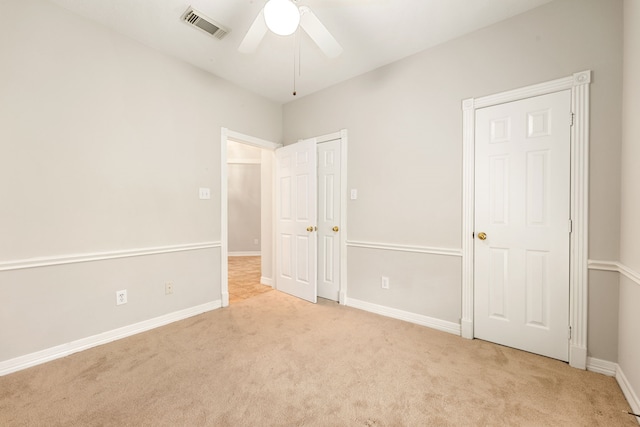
309,228
336,229
482,236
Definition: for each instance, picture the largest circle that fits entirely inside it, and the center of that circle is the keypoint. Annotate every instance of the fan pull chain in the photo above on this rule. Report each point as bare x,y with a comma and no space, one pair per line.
296,44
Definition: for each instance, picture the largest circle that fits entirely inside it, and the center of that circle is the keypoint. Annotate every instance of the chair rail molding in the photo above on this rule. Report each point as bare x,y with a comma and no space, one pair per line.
405,248
579,84
617,267
101,256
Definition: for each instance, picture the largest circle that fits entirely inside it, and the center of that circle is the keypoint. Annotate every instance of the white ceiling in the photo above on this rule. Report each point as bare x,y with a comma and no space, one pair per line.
372,32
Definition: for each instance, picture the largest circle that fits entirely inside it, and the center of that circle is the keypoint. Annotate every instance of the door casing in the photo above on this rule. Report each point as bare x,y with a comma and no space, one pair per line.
578,83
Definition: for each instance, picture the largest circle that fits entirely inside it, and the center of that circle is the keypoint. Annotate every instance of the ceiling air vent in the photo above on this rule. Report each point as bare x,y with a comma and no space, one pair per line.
206,24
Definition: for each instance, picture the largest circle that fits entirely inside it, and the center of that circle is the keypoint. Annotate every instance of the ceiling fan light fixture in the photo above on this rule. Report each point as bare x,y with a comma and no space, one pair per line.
281,16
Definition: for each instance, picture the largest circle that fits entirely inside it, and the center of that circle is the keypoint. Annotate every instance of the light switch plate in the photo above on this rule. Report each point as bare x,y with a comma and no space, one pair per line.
354,194
205,193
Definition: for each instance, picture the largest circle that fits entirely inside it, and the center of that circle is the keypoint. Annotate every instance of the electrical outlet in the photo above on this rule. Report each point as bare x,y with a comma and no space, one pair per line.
121,297
168,288
384,281
256,241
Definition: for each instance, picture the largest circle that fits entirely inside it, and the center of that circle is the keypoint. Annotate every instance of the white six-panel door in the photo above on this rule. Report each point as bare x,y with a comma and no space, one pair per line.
329,193
522,205
296,216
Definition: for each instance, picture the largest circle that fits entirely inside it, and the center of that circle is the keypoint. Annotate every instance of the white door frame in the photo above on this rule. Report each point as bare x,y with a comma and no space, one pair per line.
229,135
578,83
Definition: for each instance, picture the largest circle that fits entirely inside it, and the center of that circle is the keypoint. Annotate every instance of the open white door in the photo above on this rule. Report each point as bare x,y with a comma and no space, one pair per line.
296,217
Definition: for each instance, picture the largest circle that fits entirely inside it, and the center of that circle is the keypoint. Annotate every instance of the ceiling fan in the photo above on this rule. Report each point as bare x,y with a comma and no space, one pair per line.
283,17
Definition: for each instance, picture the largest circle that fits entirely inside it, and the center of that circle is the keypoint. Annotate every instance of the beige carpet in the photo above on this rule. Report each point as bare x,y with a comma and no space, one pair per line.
276,360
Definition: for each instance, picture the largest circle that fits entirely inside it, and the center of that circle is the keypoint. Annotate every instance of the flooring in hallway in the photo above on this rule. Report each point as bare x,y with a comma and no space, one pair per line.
244,278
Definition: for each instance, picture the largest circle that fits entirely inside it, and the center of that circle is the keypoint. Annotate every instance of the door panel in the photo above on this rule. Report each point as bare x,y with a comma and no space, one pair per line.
522,201
329,191
296,212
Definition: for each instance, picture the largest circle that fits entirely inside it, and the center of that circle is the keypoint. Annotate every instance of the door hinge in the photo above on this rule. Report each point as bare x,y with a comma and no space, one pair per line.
570,226
473,235
569,332
572,119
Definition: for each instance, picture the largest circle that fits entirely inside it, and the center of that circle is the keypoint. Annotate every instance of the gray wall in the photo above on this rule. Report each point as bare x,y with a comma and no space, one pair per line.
405,150
629,319
104,145
244,194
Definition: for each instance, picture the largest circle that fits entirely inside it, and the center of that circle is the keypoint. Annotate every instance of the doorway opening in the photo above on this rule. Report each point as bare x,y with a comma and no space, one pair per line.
246,229
332,256
244,220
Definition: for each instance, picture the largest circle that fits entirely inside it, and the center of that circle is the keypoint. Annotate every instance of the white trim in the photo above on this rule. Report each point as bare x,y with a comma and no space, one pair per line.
603,265
101,256
405,248
603,367
42,356
267,281
244,253
578,83
579,255
468,214
629,393
250,140
615,266
244,161
342,294
328,137
629,273
224,222
530,91
418,319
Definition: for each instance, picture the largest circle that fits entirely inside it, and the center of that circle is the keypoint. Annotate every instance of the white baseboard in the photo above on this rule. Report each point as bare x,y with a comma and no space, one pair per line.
47,355
246,253
266,281
628,392
612,369
441,325
603,367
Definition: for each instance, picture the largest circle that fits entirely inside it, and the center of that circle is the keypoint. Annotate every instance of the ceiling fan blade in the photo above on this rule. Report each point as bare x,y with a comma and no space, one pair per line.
319,33
255,34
